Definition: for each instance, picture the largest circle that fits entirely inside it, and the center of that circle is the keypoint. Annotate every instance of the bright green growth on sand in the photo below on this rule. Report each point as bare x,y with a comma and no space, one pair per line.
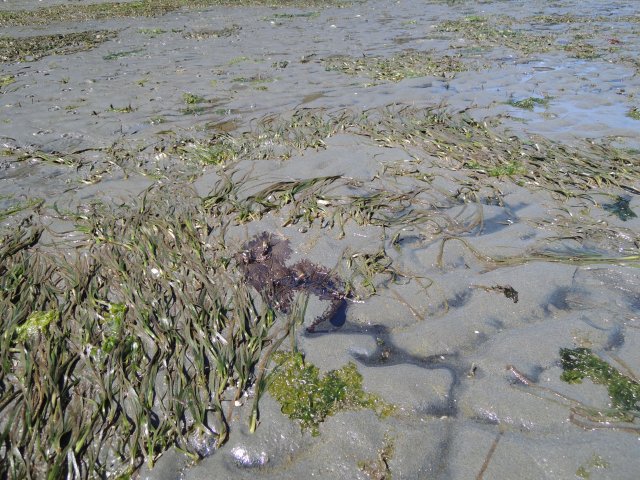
580,363
192,99
529,103
511,168
6,80
634,113
308,398
113,322
36,322
193,104
125,109
507,169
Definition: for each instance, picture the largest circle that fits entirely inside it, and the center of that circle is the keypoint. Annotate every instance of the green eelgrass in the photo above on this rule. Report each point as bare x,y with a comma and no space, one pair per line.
32,48
408,64
497,31
127,348
138,8
154,332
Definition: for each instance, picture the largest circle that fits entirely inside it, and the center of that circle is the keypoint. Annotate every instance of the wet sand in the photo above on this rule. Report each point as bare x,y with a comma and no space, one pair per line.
474,375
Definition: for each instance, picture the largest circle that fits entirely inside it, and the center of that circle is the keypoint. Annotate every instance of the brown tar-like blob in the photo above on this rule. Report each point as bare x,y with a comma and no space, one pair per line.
263,263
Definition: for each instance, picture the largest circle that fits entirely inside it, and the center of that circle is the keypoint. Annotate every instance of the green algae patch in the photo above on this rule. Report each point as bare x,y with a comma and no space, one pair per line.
580,363
529,103
123,109
634,113
113,322
6,80
309,398
508,169
33,48
36,323
192,99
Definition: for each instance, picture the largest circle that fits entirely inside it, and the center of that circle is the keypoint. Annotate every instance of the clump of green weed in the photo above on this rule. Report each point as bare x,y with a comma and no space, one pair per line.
510,169
36,323
192,99
221,151
580,363
634,113
124,109
529,103
193,103
6,80
507,169
309,398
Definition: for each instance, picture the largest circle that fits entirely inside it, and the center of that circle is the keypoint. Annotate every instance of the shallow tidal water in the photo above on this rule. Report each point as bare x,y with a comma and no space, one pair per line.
474,375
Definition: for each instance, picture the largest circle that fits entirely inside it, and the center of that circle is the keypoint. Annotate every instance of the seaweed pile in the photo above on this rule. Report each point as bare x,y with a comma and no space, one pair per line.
262,261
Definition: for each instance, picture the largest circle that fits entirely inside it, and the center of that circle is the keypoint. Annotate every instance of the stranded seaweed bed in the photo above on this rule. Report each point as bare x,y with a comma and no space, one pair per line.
395,243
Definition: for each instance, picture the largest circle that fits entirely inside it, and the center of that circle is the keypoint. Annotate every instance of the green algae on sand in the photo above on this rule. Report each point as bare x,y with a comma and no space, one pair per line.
309,398
580,363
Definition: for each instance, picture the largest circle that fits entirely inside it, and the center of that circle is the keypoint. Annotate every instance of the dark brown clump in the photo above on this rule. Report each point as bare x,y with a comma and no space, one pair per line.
263,263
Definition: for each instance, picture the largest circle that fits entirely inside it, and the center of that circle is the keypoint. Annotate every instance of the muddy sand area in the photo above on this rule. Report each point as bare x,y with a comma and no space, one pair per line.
286,240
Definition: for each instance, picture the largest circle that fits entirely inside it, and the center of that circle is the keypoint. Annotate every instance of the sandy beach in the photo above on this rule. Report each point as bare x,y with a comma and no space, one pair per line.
449,192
